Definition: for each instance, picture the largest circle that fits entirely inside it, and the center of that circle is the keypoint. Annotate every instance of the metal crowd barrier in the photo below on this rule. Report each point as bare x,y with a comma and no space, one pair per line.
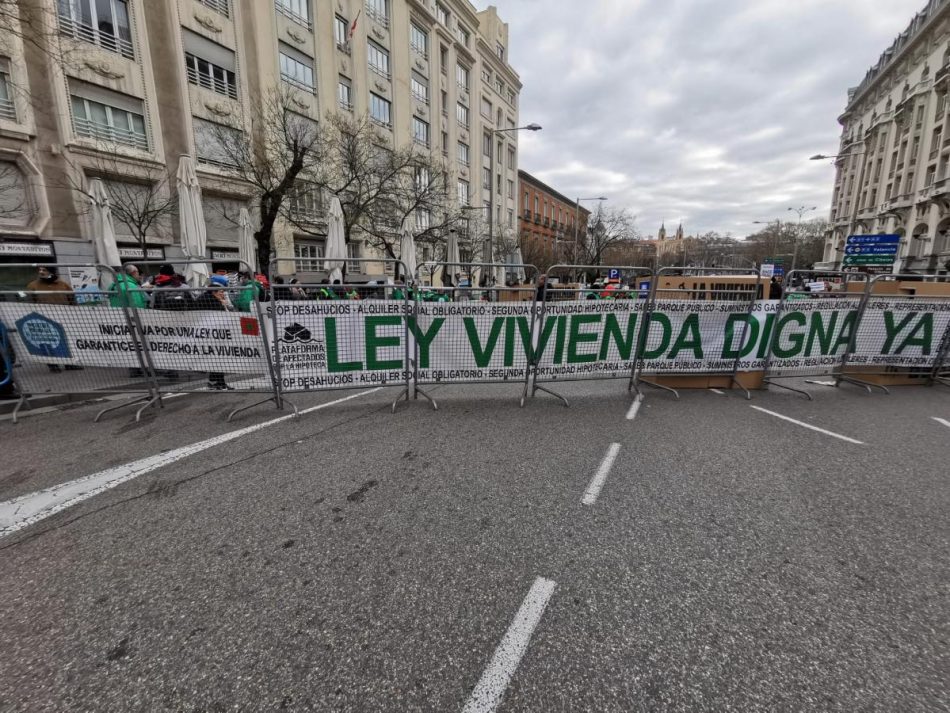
321,342
713,300
493,343
903,331
561,338
803,307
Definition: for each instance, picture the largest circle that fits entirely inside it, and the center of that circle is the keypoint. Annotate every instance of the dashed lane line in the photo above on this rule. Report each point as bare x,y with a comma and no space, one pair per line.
809,426
600,477
490,689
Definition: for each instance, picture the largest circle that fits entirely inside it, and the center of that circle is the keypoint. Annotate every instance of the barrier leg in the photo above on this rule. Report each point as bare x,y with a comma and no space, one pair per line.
149,399
771,382
278,404
659,386
556,395
403,396
435,405
23,401
869,386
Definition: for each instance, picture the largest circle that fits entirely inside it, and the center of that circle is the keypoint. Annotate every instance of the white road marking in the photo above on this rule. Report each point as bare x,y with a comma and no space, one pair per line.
31,508
717,391
808,426
634,407
942,420
593,490
822,383
490,689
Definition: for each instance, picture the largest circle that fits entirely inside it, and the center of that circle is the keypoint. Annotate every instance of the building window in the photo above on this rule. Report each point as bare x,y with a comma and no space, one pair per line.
379,11
486,76
418,40
209,65
526,203
380,110
486,178
463,35
461,113
444,60
511,219
486,108
511,158
445,143
442,15
101,22
420,131
344,93
7,105
378,59
219,5
306,204
486,144
500,86
341,33
308,256
296,10
296,69
423,221
461,76
445,103
463,153
101,119
511,97
463,192
500,51
511,189
216,144
419,86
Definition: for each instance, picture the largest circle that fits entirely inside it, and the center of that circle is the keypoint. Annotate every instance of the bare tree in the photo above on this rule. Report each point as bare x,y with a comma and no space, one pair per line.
606,227
14,197
778,240
380,187
141,196
275,160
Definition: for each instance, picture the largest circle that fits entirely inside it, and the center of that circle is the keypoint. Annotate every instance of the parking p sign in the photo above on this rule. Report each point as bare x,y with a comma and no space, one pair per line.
613,274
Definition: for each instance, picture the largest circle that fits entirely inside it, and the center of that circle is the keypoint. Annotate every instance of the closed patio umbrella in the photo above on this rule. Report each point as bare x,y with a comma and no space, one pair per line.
194,235
335,256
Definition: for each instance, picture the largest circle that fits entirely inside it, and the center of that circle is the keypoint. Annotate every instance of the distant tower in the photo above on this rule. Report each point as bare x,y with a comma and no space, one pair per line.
662,234
679,232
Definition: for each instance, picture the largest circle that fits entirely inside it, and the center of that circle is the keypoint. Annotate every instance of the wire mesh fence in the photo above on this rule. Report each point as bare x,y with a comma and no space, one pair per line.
700,321
338,333
474,335
72,337
809,332
902,330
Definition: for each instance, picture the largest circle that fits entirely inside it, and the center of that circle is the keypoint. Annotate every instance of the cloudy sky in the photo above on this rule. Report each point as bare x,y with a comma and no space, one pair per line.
701,111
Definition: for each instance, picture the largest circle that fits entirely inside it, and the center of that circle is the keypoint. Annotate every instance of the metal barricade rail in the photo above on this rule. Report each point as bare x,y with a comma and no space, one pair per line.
466,334
586,334
341,335
76,341
903,332
826,311
697,308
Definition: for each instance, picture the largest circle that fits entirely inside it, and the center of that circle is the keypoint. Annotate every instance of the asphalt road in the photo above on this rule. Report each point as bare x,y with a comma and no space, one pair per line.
356,560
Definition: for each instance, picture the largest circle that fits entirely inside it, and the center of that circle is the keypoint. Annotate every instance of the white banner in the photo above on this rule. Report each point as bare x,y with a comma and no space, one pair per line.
95,335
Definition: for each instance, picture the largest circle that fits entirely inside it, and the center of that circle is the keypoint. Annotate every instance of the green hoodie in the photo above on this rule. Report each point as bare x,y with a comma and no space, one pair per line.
126,292
245,297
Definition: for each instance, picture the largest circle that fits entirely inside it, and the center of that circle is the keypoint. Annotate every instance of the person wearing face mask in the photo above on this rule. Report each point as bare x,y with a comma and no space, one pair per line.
56,292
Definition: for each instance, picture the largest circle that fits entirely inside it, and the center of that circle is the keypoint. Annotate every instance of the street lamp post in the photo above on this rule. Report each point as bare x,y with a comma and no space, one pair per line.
801,210
491,184
854,211
577,223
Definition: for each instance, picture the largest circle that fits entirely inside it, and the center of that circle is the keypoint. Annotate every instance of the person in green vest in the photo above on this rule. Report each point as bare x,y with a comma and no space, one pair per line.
250,290
127,290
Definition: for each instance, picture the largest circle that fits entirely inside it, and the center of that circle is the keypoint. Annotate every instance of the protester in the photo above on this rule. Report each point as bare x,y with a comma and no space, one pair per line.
169,293
251,290
281,292
215,299
127,290
55,291
775,289
542,293
297,292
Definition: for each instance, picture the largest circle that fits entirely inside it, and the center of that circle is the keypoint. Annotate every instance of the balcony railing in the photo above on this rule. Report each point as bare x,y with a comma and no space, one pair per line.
295,16
7,110
421,97
380,17
90,34
111,134
380,122
345,105
380,71
219,5
217,161
213,83
296,83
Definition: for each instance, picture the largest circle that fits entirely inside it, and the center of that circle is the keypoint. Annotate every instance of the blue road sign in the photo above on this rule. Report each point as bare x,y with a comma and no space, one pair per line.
613,274
882,239
886,249
779,271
